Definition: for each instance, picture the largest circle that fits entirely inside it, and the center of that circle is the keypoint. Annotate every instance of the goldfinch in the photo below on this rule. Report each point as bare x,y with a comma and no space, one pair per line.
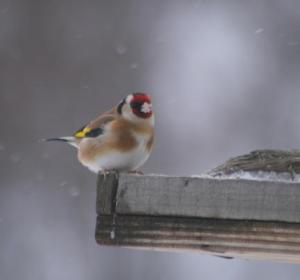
119,140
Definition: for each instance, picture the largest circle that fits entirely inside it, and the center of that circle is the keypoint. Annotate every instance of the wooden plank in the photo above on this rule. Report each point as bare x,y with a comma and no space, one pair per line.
106,193
229,238
154,195
231,218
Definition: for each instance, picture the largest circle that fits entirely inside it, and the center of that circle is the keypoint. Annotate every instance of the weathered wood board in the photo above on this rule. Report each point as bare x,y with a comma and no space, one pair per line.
204,197
239,218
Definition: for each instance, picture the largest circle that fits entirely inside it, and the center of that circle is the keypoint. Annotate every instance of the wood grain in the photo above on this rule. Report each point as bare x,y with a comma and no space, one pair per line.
208,198
106,193
229,238
230,218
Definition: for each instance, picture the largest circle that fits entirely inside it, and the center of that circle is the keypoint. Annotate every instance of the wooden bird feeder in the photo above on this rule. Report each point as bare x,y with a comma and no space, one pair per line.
224,217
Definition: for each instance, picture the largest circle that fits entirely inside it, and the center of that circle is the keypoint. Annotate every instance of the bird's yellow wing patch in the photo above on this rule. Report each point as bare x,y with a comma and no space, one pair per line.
87,131
83,132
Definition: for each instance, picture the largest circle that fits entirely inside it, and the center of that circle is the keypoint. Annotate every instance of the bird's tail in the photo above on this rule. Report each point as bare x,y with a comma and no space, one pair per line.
67,139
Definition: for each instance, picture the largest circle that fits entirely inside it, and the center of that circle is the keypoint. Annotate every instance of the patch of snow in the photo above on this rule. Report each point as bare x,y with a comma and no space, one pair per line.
134,65
259,31
74,191
262,176
63,183
204,176
154,175
121,49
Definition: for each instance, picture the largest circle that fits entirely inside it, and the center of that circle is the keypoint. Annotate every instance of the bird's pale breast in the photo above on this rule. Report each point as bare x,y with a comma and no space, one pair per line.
122,153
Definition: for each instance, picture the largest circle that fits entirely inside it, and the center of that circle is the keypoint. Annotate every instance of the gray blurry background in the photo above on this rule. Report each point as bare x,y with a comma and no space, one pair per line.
225,78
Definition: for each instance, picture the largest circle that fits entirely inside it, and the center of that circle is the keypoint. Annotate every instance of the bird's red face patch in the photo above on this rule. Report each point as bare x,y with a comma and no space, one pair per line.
141,105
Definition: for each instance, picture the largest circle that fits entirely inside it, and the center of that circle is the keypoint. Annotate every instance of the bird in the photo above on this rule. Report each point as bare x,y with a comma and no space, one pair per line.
119,140
264,161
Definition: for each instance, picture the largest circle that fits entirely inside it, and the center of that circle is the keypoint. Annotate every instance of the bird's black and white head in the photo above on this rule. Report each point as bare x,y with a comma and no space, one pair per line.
136,107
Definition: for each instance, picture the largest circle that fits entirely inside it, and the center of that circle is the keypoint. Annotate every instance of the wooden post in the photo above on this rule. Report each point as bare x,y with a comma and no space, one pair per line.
233,218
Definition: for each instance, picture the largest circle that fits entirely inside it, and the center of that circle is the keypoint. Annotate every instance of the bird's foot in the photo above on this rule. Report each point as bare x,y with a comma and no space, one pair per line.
136,172
105,173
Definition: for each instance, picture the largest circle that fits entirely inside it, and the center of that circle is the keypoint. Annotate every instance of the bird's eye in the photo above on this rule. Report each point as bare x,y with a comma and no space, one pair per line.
136,105
141,109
